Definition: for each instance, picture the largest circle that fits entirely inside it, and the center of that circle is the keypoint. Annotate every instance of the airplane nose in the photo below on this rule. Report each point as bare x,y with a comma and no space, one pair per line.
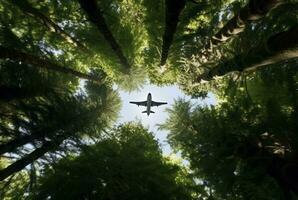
149,93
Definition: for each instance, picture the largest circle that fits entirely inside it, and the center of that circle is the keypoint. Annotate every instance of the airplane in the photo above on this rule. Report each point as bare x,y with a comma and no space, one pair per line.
148,103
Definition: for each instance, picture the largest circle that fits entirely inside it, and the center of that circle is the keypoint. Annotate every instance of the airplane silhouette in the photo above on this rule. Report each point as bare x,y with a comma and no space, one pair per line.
148,103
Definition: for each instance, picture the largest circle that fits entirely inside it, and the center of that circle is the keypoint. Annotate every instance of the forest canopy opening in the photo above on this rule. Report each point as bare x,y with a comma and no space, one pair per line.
69,68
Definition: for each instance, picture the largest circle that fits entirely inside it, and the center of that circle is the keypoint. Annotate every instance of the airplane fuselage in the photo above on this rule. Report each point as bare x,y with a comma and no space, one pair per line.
149,99
148,104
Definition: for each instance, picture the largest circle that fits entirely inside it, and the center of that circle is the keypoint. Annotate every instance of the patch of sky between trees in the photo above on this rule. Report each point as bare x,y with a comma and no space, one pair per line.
131,112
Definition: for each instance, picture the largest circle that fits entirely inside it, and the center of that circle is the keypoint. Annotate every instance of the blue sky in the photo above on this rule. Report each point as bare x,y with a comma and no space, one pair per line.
131,112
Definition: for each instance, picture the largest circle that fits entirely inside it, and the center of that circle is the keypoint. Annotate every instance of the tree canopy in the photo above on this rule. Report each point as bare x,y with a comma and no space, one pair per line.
62,64
246,145
127,165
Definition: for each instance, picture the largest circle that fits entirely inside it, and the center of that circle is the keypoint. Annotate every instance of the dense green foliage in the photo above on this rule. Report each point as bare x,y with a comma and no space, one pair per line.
60,62
126,165
246,146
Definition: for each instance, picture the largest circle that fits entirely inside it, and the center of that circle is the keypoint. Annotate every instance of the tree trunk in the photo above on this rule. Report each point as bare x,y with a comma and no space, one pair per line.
173,10
254,10
25,6
18,142
278,48
95,15
285,174
42,63
11,93
8,93
26,160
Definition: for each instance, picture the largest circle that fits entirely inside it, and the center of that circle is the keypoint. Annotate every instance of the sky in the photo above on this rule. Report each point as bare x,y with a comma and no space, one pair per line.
132,112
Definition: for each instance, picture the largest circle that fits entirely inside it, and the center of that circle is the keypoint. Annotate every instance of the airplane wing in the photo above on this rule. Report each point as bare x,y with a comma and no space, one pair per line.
139,103
155,103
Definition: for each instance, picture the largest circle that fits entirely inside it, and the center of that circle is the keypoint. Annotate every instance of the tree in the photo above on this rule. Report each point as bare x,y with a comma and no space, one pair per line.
127,165
94,14
238,147
55,122
67,18
253,11
40,121
173,10
15,186
31,11
42,63
189,61
280,47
